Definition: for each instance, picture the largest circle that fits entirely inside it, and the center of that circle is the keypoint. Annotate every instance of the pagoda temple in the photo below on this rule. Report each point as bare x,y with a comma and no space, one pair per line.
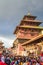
28,33
1,47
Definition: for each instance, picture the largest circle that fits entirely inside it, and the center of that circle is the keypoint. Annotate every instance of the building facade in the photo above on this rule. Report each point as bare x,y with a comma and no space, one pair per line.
28,33
1,47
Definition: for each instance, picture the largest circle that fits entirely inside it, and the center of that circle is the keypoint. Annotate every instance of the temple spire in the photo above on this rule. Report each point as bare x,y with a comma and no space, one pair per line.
29,14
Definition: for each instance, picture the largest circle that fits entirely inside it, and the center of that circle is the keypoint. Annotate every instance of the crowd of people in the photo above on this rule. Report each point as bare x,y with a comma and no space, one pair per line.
20,60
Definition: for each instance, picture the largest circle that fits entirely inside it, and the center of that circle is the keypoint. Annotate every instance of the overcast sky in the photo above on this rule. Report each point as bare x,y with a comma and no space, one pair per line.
12,11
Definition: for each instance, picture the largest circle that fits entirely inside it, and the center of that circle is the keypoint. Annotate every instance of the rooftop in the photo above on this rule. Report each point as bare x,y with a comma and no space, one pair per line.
1,42
27,26
31,21
29,16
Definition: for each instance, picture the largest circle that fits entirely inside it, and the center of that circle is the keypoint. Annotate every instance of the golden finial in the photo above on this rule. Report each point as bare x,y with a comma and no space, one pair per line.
28,14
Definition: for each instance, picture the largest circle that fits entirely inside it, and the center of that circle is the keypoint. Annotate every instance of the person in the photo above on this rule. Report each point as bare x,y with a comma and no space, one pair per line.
37,62
25,62
1,63
7,60
3,58
13,62
20,63
33,62
0,56
16,62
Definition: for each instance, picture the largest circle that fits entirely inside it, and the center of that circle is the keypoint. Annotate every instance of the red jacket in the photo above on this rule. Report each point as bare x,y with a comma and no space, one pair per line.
1,63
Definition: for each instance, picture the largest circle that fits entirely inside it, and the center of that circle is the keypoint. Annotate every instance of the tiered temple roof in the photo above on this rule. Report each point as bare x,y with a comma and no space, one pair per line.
30,19
34,30
34,21
29,16
27,26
